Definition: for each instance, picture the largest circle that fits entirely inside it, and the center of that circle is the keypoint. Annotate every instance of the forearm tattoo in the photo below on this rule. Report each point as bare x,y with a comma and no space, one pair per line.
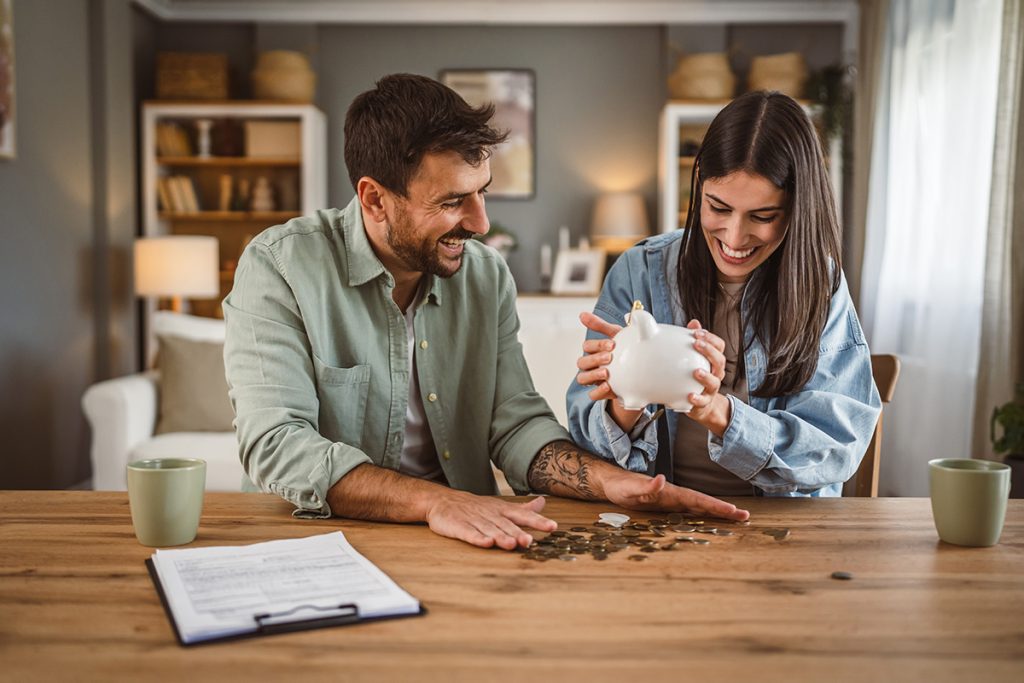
563,469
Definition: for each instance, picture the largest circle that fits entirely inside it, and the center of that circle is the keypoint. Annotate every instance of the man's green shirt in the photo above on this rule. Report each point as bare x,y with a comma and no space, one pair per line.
317,364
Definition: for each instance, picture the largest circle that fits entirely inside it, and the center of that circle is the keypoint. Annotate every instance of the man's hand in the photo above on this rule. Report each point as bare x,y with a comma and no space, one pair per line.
640,492
379,494
564,469
487,522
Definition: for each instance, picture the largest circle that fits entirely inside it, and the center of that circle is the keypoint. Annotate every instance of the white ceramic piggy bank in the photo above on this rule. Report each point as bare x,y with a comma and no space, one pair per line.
654,363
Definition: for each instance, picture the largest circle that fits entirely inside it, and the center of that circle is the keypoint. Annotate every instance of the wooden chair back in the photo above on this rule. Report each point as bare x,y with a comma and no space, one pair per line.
885,368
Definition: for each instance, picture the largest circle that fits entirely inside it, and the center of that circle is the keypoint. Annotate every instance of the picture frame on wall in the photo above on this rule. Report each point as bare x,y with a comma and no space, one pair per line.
578,271
6,79
512,91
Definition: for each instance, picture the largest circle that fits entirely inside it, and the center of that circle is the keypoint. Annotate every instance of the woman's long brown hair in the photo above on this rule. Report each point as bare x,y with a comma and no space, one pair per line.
768,134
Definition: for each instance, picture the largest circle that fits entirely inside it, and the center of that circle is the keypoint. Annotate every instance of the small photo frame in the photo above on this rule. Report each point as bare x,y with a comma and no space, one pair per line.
578,271
6,80
512,93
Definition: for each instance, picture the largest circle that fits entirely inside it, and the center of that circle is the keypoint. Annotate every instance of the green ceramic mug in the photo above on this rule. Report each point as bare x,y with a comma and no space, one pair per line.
969,499
166,499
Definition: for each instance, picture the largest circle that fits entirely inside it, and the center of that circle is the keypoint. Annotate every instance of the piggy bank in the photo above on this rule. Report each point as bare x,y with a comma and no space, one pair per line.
654,363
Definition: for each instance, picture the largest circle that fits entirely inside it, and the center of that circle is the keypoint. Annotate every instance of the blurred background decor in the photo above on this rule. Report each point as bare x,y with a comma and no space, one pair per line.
6,80
702,76
512,93
619,221
283,75
501,238
786,73
191,76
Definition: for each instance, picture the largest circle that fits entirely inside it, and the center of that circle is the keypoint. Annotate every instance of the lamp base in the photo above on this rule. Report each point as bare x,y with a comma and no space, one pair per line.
615,245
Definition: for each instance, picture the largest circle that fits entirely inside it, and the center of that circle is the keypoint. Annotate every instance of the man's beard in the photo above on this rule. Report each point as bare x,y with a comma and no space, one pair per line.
421,254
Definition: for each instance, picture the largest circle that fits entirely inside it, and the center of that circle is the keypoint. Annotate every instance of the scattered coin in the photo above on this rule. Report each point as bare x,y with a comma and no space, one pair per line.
648,549
777,534
701,541
675,518
657,532
638,558
613,518
578,528
567,558
842,576
723,532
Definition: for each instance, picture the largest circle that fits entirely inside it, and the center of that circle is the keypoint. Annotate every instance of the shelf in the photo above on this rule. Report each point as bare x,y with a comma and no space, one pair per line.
228,161
268,217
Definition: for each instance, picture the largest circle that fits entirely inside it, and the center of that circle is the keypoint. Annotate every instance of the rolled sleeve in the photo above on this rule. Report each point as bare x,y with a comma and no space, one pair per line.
272,387
746,445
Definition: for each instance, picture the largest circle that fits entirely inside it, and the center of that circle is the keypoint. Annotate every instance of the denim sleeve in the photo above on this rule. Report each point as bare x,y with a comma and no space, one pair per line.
590,424
272,388
817,436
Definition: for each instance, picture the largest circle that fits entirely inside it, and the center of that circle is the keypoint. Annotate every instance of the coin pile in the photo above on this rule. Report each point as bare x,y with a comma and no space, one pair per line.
603,539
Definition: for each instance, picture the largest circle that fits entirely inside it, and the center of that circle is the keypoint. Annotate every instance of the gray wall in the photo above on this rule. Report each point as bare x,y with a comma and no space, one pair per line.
62,203
599,93
47,335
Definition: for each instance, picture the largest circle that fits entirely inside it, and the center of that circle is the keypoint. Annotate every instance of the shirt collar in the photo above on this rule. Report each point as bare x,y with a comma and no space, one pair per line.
363,264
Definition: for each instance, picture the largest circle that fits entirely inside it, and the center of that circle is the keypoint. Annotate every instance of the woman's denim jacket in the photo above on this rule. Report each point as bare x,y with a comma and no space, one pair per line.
803,444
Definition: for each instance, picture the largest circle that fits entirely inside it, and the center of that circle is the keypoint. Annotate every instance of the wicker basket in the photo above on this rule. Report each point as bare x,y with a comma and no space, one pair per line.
786,73
703,76
191,76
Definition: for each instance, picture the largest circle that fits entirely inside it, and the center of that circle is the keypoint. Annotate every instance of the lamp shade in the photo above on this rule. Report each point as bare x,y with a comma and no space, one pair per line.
620,218
177,266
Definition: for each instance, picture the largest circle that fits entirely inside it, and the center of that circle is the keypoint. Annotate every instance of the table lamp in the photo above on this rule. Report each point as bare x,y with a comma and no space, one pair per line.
619,221
177,266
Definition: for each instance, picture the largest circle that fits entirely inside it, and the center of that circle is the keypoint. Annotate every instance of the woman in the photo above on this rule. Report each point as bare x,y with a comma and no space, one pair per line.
789,405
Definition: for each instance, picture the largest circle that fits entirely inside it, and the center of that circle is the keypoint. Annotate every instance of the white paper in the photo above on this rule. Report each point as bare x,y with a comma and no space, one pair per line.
218,591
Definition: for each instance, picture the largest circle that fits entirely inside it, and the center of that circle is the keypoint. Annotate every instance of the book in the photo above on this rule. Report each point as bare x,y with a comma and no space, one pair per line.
222,592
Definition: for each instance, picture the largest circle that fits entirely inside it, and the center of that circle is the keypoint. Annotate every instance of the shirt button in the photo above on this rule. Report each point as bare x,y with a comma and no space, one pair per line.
431,397
424,344
447,456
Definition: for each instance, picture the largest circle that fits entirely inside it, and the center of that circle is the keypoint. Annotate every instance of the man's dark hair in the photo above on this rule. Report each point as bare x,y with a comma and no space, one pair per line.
389,129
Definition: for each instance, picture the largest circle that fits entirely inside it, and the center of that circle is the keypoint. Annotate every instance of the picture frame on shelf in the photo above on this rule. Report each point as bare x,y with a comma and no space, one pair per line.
513,93
7,149
578,271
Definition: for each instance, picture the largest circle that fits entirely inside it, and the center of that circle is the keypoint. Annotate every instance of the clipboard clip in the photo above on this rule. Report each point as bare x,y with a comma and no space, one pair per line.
281,622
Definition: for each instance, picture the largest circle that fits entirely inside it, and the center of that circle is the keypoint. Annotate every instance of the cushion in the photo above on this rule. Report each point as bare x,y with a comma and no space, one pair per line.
219,449
193,390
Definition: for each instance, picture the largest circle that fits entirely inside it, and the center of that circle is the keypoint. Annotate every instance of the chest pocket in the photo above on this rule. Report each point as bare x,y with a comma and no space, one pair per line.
342,393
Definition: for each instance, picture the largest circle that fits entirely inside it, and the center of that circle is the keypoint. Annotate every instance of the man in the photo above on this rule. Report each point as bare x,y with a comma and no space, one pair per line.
372,354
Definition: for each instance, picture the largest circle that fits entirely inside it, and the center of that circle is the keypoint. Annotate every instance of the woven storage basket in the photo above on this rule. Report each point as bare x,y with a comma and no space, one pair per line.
191,76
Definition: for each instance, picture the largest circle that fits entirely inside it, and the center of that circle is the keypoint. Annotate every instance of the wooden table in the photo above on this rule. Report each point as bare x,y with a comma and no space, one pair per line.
76,602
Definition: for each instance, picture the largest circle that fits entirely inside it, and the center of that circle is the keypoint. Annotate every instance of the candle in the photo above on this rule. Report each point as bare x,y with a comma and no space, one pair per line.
563,238
545,260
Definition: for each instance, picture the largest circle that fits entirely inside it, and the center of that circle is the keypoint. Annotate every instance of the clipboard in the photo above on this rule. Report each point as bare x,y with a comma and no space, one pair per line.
273,624
267,624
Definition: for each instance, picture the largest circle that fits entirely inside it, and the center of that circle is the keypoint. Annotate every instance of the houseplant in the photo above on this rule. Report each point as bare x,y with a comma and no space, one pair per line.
1010,416
501,238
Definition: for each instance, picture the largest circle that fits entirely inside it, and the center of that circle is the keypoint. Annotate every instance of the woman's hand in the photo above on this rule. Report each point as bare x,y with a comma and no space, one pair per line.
710,408
593,366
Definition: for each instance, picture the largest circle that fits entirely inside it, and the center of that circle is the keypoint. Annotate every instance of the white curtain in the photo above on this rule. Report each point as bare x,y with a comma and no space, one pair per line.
927,217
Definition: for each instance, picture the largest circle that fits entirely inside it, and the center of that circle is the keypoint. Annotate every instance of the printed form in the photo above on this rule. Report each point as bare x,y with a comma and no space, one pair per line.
217,592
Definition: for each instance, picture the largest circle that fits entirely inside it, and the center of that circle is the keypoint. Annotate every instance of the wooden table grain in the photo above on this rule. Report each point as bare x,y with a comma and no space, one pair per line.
76,602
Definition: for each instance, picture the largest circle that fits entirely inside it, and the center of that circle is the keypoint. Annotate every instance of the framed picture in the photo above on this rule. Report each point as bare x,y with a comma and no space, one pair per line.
6,80
578,271
512,93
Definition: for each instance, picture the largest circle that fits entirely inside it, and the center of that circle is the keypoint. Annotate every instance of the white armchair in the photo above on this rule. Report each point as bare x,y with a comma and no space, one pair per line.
123,414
